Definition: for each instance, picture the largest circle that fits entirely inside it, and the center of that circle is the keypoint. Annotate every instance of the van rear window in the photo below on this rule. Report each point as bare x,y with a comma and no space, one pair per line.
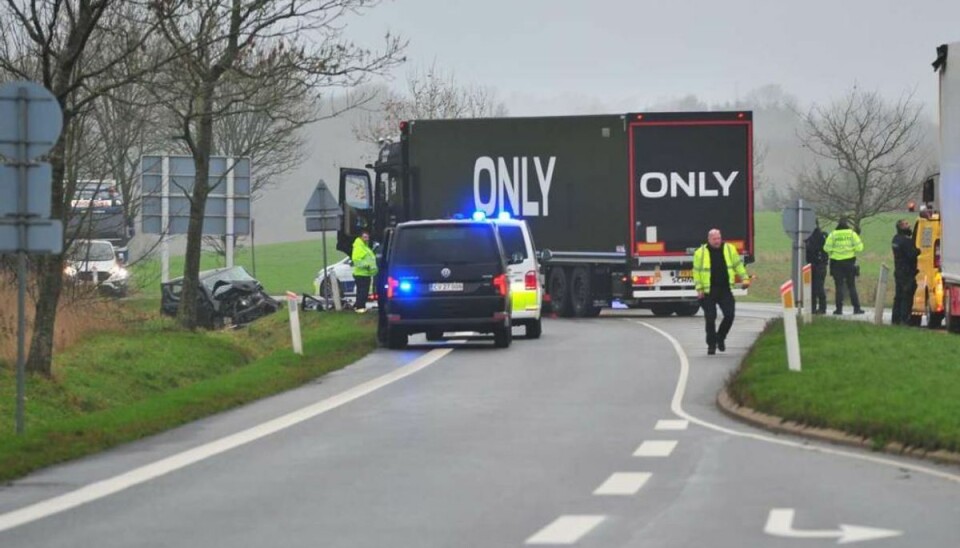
446,244
512,239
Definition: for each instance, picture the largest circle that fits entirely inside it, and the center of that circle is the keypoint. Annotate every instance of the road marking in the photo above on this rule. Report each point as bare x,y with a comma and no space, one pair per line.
566,530
780,524
672,425
676,405
655,449
623,483
110,486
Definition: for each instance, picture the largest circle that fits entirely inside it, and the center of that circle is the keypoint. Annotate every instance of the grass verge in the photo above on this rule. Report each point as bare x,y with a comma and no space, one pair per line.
885,383
119,387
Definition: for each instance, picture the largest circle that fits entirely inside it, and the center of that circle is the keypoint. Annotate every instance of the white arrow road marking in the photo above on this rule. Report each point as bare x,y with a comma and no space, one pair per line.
676,405
623,483
667,424
780,524
159,468
655,449
566,530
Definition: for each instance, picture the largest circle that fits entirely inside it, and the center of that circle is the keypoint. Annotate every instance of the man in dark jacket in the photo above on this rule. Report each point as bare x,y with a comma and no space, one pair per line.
818,259
905,255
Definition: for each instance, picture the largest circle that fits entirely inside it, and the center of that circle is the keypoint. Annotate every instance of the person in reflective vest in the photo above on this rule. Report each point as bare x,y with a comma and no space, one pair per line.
842,246
717,268
364,269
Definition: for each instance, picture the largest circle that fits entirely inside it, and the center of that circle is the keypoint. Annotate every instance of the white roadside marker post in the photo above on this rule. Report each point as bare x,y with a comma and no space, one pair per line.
294,322
807,293
790,326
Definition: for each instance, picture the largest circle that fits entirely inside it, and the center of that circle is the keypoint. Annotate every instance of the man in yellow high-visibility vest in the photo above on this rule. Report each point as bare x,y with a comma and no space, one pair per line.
842,246
717,267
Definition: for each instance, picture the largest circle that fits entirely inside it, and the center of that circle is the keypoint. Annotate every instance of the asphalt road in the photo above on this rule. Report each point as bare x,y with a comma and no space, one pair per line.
602,433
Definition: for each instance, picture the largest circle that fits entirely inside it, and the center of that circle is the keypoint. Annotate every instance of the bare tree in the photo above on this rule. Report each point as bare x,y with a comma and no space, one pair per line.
57,42
430,94
870,154
230,49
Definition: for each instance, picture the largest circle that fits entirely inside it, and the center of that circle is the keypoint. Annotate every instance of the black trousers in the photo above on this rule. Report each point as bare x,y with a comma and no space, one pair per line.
818,288
845,278
363,290
709,303
906,286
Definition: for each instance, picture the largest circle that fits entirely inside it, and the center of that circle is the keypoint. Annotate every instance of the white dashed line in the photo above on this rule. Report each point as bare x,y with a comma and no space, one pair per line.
672,424
655,449
566,530
623,483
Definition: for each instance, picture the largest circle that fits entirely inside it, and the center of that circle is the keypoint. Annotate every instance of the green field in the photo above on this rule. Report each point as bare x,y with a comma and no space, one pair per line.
293,266
772,266
290,266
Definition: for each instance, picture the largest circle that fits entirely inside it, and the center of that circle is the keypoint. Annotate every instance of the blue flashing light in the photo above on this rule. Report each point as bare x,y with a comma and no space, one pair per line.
504,215
479,216
405,286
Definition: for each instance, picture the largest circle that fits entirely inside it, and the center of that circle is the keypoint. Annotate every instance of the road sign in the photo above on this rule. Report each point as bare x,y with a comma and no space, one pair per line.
799,218
38,190
38,125
322,212
43,236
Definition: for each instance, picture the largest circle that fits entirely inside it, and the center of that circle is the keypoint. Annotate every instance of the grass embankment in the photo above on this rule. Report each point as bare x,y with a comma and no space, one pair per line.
885,383
148,377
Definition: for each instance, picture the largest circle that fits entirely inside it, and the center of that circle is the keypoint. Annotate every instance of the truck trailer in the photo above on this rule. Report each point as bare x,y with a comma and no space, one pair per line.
617,204
947,65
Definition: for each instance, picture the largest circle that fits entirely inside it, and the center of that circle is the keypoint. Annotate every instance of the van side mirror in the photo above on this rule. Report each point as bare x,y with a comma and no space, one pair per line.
545,256
516,258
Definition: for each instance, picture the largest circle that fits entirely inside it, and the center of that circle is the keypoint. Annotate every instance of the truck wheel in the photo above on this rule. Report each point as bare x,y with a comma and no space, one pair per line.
559,292
581,294
687,309
534,329
502,337
661,310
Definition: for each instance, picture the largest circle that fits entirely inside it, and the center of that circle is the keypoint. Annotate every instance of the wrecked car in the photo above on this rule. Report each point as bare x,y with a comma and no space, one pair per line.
226,296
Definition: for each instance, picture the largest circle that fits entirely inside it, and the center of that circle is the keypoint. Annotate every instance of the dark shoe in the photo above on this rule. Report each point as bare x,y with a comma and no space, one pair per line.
722,345
838,312
711,351
859,311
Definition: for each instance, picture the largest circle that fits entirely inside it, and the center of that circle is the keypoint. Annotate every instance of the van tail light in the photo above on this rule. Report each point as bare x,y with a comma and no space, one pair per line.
530,280
936,255
500,284
391,287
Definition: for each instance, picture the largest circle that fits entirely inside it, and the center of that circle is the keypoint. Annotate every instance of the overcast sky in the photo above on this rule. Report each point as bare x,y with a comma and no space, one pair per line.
556,57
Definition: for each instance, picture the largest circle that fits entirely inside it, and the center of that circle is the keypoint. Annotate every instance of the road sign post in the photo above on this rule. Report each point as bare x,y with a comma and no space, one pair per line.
881,295
798,221
790,326
294,310
30,124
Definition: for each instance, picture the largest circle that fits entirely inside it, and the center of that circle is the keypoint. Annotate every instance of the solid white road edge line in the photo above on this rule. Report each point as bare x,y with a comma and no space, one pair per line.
676,405
566,530
156,469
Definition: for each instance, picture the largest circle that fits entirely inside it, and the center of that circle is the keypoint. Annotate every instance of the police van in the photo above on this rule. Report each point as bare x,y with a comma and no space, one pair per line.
526,280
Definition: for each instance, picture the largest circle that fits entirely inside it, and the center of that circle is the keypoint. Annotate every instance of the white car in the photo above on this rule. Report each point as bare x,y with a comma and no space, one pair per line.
95,262
343,271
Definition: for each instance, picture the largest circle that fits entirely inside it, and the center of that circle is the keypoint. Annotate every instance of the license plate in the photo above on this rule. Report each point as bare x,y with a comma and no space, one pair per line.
438,287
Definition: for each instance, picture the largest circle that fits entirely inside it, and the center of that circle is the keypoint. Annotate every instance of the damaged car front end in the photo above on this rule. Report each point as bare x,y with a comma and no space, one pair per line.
226,296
